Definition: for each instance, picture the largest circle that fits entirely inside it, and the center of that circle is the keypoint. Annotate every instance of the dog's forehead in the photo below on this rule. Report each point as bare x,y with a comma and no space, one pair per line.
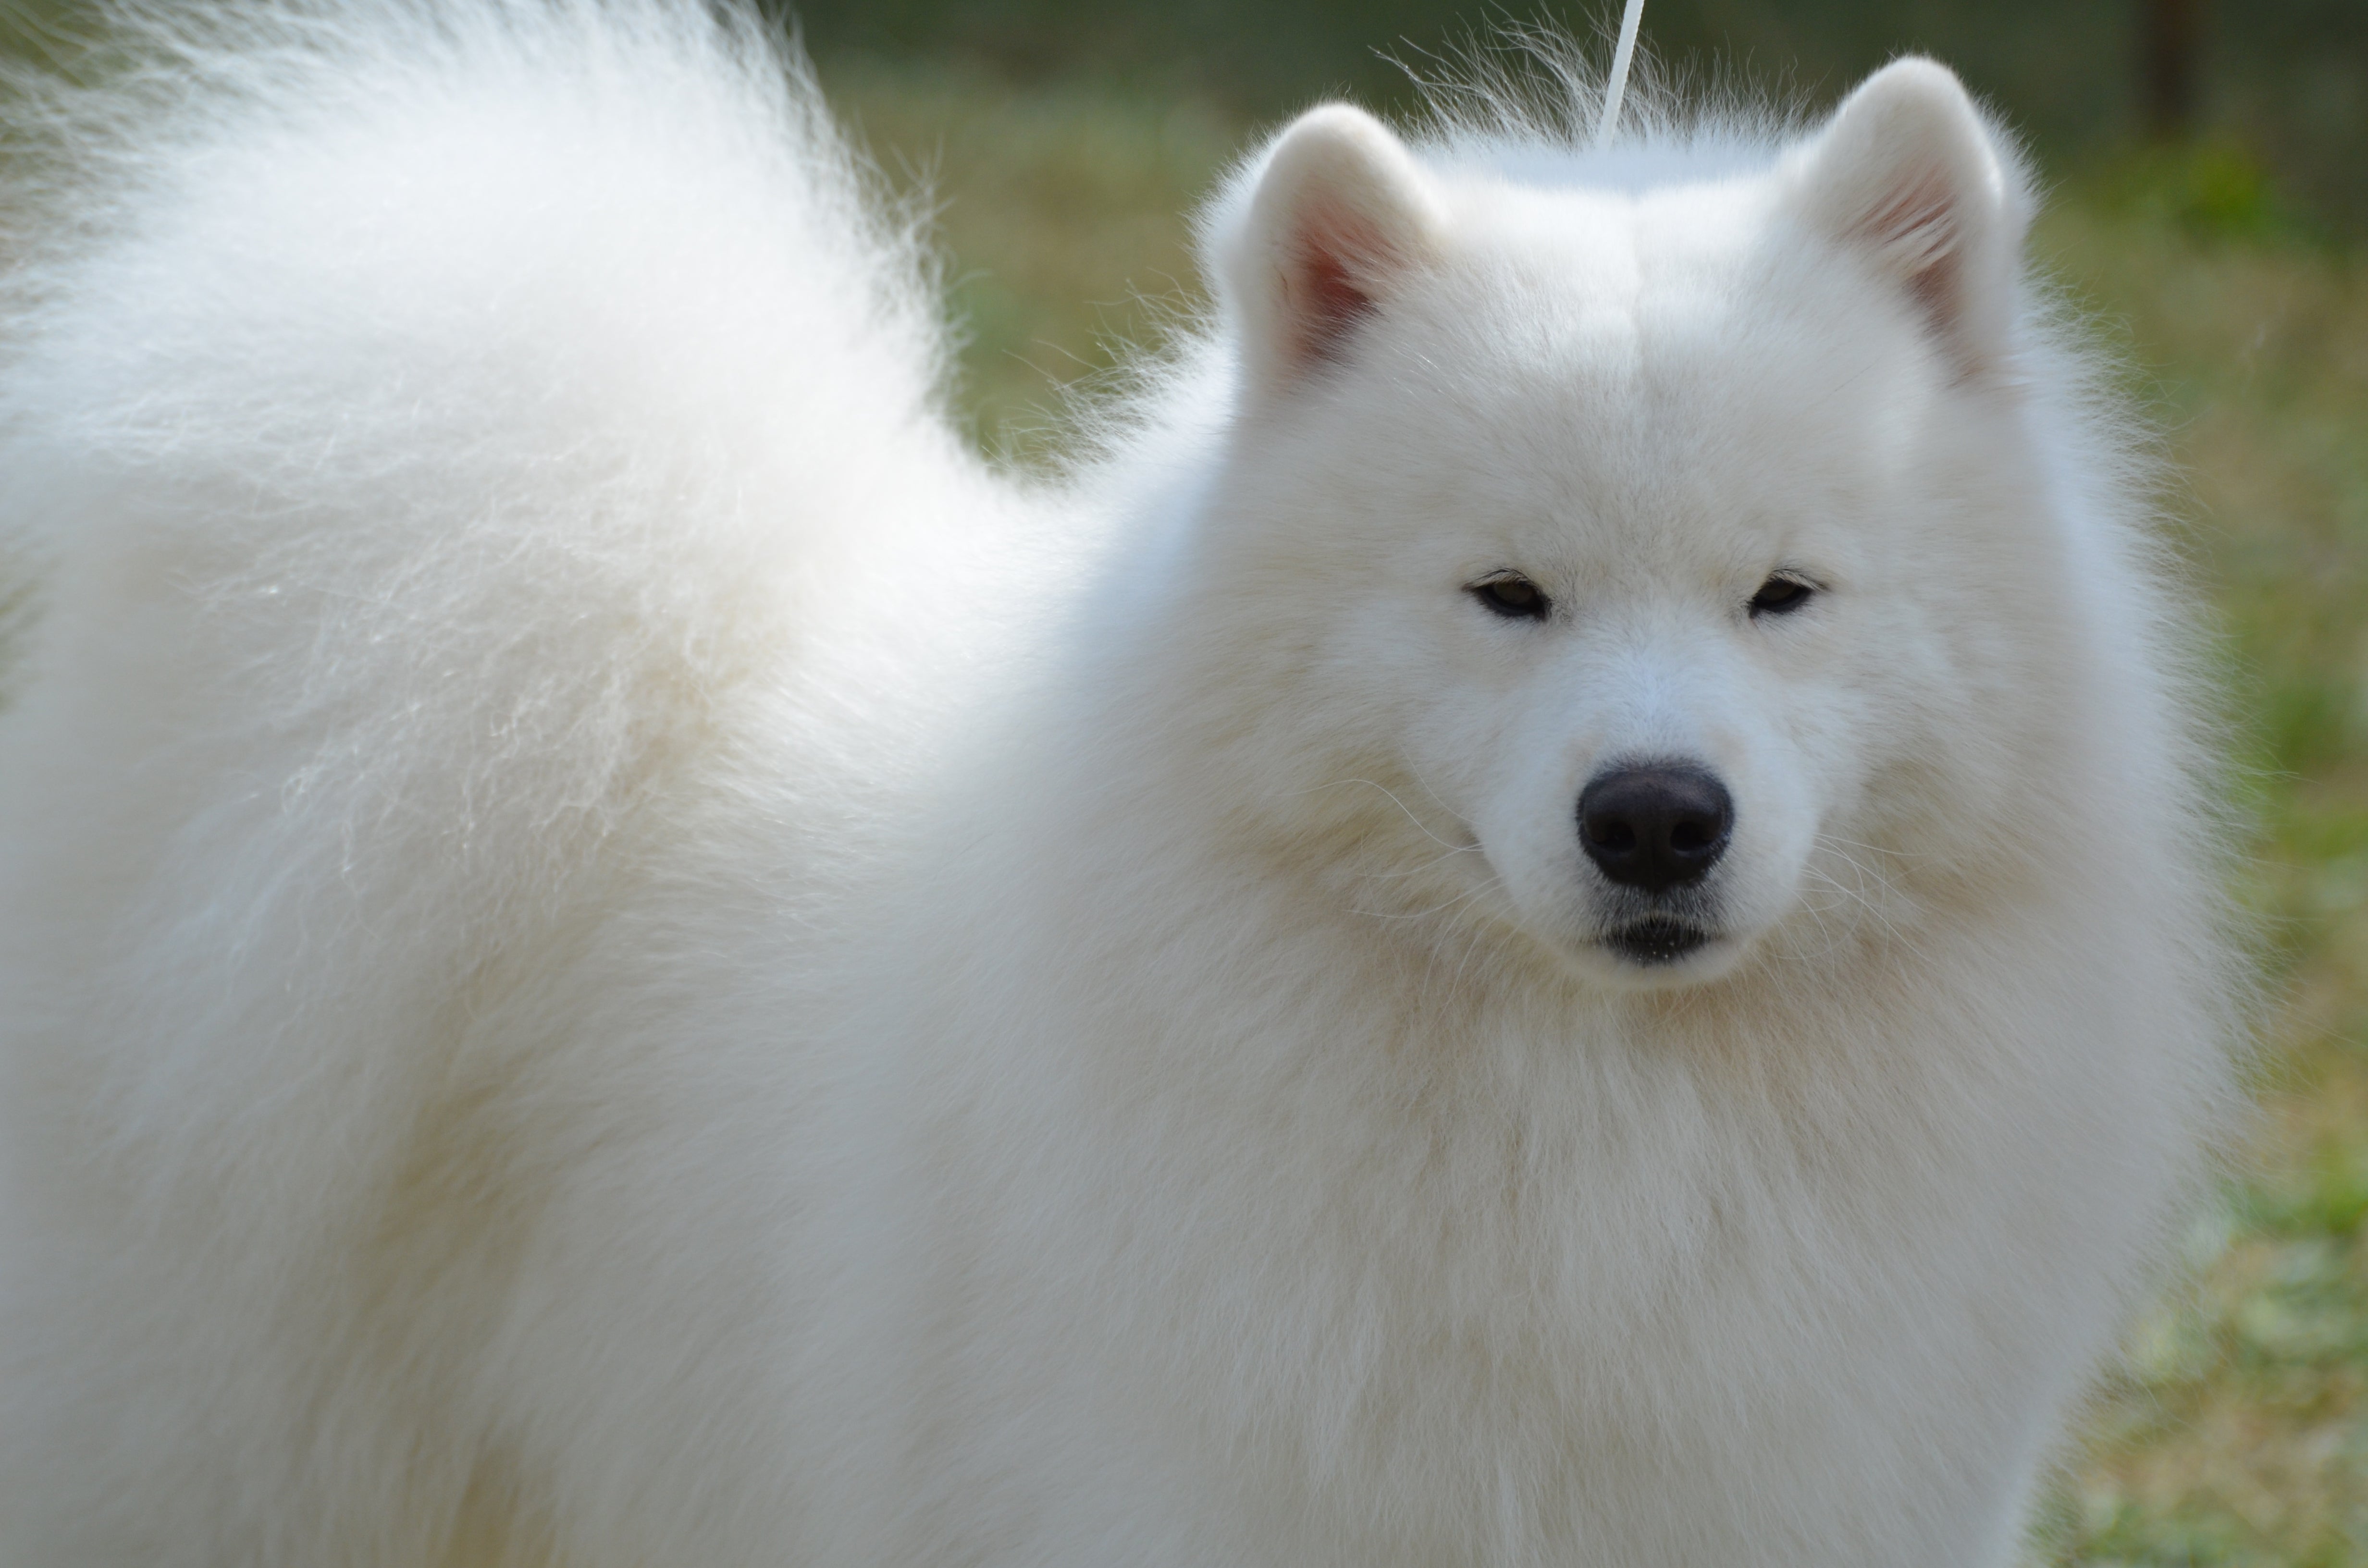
1683,304
1636,355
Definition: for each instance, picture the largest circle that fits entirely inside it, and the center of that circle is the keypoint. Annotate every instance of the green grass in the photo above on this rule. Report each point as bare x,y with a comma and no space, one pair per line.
1063,210
2235,1432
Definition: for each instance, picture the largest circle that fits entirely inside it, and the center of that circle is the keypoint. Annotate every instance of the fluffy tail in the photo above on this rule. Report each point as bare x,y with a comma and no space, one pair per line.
431,426
432,416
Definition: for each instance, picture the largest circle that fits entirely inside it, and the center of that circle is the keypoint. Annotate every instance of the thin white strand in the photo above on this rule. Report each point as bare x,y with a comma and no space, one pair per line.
1614,89
1420,826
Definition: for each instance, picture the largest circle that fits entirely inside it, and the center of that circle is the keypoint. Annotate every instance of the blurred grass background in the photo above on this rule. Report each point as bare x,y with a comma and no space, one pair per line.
2220,249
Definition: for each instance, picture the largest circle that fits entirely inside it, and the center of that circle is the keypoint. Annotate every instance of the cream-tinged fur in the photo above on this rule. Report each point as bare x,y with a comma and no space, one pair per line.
615,954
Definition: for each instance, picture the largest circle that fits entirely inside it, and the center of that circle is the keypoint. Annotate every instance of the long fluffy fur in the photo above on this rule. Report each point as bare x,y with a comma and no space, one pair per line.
613,952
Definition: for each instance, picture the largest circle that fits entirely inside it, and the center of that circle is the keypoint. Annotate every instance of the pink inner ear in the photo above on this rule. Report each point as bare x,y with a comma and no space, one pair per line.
1322,290
1917,229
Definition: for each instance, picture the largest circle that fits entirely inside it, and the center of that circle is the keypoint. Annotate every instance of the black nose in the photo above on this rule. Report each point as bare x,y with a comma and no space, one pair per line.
1655,827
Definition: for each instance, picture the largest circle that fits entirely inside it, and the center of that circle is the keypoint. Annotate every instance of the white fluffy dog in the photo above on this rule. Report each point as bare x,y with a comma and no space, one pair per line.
1561,910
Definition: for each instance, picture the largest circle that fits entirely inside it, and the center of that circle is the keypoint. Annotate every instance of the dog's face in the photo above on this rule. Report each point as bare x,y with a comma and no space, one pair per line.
1615,553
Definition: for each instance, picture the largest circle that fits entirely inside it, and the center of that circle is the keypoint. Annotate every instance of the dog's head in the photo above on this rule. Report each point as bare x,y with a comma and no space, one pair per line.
1633,568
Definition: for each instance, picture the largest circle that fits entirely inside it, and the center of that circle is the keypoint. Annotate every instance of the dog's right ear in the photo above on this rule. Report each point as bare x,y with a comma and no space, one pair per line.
1910,175
1338,216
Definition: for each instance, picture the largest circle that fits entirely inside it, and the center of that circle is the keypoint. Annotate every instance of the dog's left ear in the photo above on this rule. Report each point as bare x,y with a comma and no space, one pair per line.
1338,216
1907,172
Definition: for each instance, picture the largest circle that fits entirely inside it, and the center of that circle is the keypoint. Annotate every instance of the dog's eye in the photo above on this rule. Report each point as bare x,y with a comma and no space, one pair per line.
1513,596
1780,596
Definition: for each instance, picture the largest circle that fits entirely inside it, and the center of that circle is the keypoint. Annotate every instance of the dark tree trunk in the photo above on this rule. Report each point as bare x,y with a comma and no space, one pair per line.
2170,40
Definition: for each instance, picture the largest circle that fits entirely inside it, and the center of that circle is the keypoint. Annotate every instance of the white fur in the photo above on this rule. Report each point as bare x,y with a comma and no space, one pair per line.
615,954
